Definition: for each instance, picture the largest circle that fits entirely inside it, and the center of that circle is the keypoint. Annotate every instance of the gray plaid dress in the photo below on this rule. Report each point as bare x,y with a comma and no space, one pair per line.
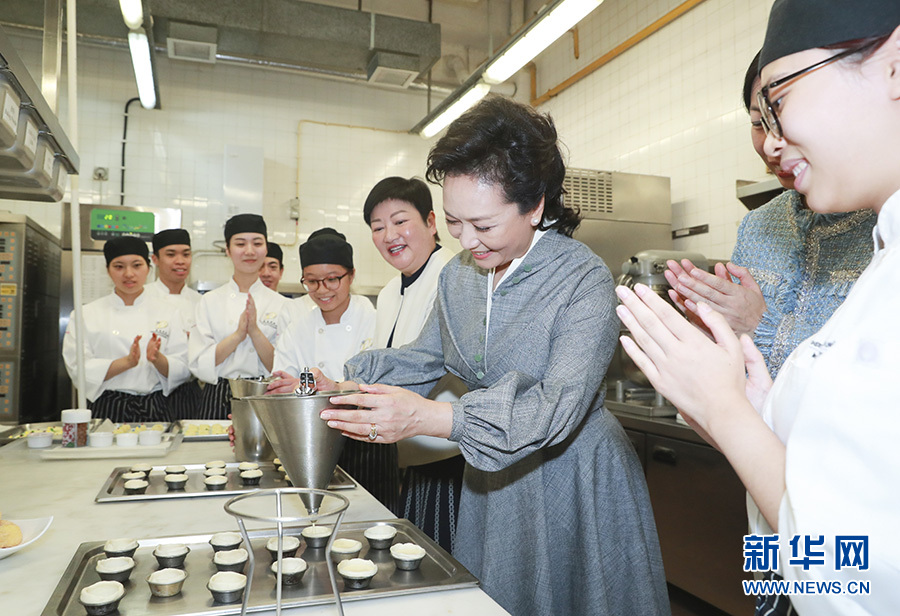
554,515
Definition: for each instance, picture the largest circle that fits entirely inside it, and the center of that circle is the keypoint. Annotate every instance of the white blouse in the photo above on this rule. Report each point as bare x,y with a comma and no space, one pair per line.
110,329
217,316
835,407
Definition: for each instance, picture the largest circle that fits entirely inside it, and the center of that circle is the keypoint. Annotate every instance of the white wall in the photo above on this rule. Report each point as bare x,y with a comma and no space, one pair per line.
670,106
175,156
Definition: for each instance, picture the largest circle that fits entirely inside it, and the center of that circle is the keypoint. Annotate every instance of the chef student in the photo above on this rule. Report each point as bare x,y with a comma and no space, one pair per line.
172,257
336,324
236,324
273,267
326,332
135,349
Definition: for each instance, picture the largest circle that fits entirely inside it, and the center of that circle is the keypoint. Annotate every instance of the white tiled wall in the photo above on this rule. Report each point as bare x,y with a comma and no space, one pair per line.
175,156
670,106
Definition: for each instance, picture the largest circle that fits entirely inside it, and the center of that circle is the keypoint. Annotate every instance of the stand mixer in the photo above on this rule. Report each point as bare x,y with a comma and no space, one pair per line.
629,389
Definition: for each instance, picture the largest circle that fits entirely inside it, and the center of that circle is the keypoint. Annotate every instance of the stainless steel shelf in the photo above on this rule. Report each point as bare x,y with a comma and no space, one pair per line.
11,64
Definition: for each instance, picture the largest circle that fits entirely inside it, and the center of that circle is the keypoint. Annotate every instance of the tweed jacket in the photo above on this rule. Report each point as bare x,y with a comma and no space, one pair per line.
805,264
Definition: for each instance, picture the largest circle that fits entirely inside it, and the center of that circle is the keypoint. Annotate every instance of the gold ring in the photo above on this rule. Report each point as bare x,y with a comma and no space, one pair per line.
373,433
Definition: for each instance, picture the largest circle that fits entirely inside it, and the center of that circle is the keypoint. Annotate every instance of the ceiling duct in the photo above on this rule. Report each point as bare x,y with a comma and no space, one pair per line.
393,69
191,42
290,34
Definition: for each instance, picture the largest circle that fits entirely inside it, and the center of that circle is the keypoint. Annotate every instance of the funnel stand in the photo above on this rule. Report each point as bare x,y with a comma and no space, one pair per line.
280,520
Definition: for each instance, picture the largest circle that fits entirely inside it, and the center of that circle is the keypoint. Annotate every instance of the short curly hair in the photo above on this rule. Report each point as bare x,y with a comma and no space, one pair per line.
514,147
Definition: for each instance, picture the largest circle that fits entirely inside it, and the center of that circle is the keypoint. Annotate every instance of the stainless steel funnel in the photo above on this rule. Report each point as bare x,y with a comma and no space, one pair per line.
250,442
308,448
246,386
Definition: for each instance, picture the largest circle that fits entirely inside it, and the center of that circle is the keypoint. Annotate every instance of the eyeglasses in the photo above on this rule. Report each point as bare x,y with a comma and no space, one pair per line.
331,283
769,114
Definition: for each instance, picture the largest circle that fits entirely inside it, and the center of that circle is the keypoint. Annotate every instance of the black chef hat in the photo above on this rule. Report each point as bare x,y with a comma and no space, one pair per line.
125,245
245,223
798,25
326,246
170,237
413,191
274,251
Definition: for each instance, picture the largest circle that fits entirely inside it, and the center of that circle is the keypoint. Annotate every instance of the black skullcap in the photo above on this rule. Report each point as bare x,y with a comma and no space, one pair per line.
125,245
170,237
413,191
274,251
798,25
244,223
326,246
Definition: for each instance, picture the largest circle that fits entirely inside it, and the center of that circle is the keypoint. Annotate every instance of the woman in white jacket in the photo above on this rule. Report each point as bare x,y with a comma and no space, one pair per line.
323,330
235,325
401,215
135,345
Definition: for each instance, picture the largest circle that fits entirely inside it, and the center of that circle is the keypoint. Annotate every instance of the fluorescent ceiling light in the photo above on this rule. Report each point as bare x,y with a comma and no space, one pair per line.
557,21
459,107
132,13
143,68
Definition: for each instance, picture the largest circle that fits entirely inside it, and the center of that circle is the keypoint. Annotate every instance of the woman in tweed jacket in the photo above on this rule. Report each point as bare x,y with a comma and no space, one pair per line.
555,516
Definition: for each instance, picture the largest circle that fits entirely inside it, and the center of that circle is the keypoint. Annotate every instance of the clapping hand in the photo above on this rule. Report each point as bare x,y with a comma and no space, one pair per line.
153,348
134,353
742,304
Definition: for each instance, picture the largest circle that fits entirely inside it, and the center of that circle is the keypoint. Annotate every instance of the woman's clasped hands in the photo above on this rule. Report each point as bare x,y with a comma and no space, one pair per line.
705,379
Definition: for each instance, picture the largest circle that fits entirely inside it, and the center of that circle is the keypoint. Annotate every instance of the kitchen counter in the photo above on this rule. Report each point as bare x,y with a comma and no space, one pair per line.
35,488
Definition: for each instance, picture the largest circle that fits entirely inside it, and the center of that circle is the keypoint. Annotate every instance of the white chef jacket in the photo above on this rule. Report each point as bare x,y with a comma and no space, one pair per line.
410,311
835,407
308,341
217,316
110,328
186,301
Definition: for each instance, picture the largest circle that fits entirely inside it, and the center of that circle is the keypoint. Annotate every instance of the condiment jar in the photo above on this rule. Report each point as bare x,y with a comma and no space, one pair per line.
75,427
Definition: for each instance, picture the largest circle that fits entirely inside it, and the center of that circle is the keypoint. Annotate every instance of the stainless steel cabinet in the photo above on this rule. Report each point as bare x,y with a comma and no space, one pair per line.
699,504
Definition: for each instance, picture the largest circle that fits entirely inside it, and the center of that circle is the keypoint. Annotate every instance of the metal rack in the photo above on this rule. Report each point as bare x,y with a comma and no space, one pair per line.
280,520
14,69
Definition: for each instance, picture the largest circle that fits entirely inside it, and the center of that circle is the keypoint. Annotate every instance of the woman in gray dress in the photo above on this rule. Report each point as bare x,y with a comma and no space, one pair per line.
554,515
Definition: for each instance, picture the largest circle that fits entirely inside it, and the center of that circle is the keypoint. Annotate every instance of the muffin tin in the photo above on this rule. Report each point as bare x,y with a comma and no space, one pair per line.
438,571
113,489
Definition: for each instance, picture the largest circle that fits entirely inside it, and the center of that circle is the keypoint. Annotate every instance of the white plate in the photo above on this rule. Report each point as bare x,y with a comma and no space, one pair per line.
31,531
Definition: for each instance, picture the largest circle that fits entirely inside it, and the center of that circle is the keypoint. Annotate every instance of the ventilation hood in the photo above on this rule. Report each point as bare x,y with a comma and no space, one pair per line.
755,194
279,33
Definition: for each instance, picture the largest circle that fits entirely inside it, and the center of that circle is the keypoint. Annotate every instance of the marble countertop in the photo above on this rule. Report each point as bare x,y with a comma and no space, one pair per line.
34,488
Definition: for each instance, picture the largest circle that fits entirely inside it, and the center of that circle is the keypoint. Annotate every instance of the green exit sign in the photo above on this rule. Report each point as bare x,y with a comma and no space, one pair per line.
107,224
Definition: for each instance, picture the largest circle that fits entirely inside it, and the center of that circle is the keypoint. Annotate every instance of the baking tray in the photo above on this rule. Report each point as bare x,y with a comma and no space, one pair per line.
113,489
438,571
184,423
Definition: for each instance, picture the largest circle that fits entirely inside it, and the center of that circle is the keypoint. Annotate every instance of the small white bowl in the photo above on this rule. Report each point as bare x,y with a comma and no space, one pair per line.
40,440
127,439
100,439
150,437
